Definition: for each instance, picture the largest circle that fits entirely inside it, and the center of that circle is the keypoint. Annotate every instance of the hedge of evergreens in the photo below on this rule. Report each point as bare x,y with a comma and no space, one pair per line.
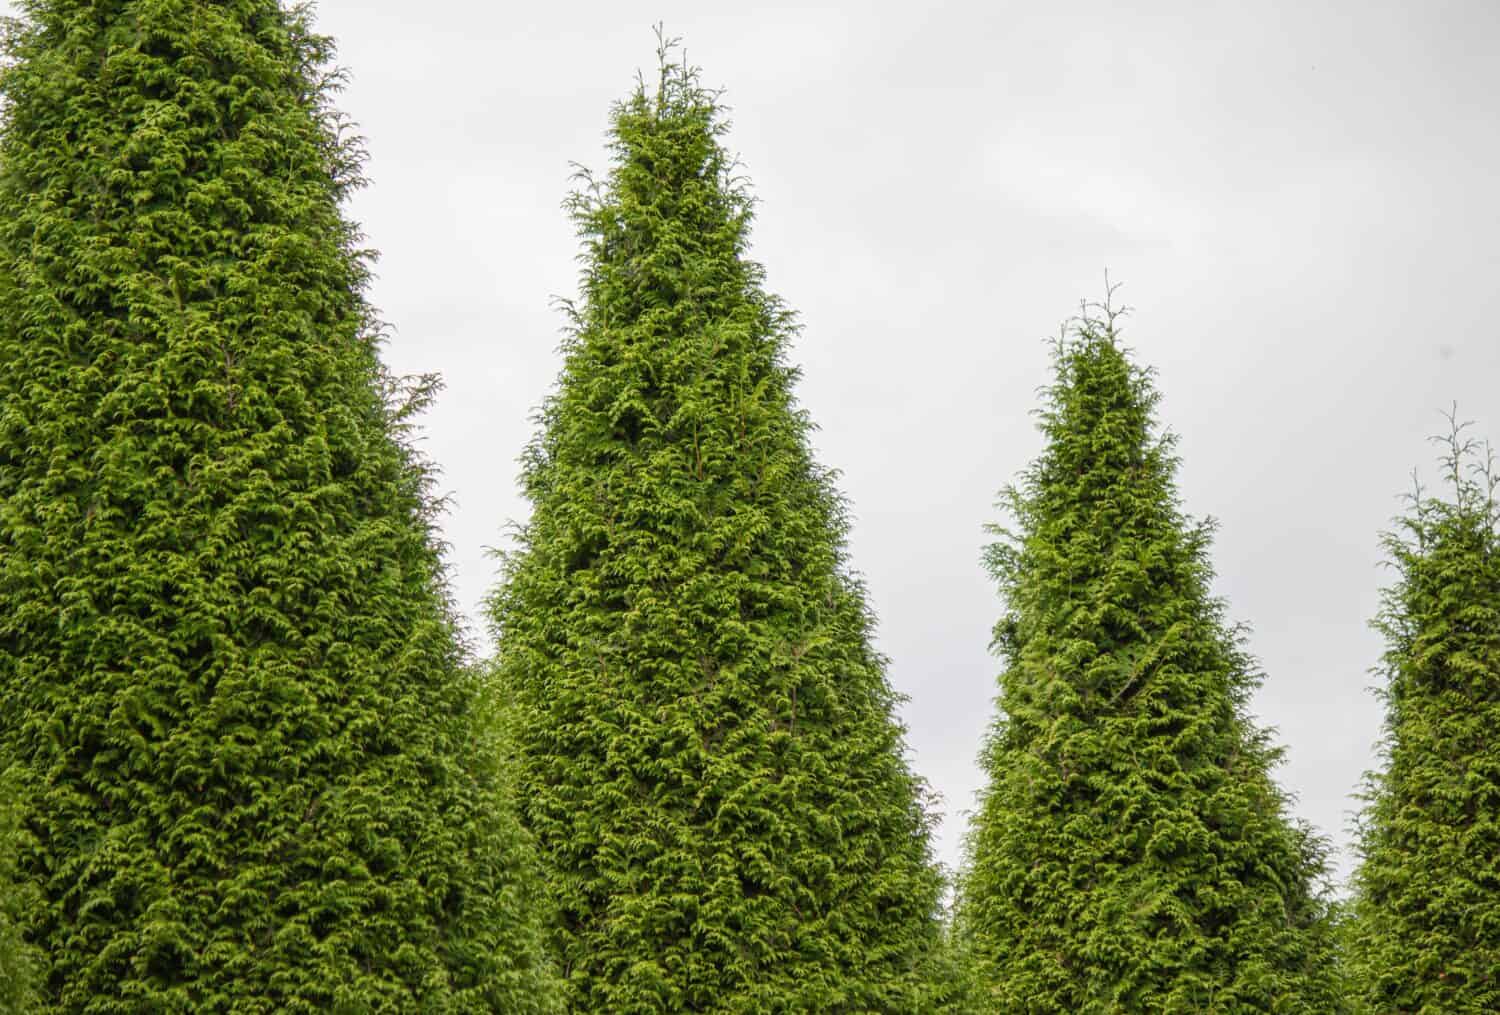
249,764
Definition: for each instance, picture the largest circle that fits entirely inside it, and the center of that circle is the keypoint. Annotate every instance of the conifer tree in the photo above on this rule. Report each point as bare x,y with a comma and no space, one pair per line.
232,684
1425,932
706,744
1131,852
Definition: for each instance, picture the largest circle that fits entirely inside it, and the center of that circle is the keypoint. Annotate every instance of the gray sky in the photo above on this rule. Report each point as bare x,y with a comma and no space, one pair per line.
1299,198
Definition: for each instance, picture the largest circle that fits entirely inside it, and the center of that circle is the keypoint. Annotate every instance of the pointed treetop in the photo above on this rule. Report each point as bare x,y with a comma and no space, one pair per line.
1425,892
706,742
1131,851
252,756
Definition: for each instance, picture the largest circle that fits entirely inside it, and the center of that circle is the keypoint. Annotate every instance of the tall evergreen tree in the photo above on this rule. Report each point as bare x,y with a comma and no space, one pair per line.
230,675
707,751
1131,852
1425,934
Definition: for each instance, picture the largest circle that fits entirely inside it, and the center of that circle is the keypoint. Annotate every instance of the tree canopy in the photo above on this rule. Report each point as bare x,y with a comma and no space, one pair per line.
707,751
1425,921
1131,851
242,721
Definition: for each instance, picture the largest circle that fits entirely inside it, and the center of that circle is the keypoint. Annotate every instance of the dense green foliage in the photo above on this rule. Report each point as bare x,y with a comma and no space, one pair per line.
1425,934
706,746
17,960
232,683
1131,852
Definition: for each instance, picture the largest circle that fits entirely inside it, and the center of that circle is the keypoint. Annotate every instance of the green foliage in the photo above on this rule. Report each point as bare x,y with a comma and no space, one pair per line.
1425,933
705,741
17,960
232,683
1131,852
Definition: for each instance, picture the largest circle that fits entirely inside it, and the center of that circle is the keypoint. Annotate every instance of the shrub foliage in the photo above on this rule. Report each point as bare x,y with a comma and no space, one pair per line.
17,960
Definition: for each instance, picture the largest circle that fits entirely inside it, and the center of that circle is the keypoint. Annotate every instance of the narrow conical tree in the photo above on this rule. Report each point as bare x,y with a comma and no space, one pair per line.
1425,935
232,686
1131,852
706,744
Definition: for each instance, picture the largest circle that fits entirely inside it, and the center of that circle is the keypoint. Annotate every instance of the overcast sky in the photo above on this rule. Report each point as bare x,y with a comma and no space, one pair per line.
1300,199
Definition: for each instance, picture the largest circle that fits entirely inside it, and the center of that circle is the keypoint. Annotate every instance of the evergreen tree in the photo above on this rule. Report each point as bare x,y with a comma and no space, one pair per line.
231,677
1131,852
706,744
1425,934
